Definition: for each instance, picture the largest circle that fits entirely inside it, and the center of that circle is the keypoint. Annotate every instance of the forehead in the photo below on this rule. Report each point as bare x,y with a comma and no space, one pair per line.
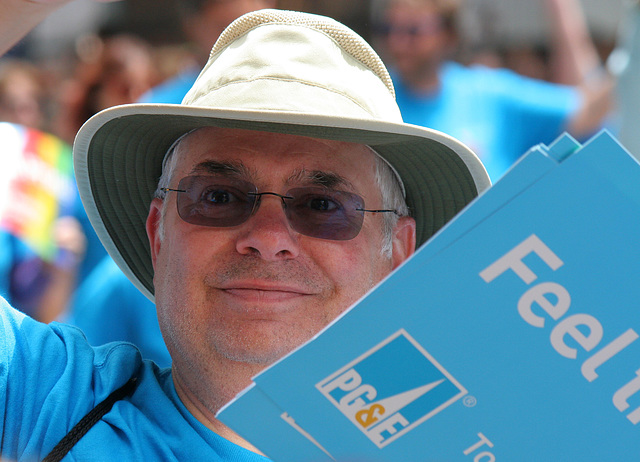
264,155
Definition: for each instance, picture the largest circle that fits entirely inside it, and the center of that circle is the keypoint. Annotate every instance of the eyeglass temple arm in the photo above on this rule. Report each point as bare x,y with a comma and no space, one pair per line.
378,211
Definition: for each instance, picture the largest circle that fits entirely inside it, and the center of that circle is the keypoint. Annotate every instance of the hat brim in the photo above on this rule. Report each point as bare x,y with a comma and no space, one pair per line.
118,156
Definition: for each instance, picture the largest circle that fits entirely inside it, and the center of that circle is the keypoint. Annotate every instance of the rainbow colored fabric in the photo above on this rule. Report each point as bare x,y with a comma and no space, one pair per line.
36,185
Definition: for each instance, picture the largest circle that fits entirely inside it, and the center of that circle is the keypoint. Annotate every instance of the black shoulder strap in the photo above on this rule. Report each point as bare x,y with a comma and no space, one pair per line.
88,421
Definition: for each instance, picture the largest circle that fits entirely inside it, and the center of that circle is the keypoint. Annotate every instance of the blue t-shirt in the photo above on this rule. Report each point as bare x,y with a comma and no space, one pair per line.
6,261
108,307
173,90
497,113
94,251
50,378
23,277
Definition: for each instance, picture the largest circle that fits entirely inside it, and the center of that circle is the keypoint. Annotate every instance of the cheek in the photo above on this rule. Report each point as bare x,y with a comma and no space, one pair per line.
351,268
169,280
177,267
355,269
178,284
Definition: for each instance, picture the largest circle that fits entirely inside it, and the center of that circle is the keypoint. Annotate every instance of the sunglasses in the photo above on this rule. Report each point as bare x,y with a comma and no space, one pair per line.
223,202
427,26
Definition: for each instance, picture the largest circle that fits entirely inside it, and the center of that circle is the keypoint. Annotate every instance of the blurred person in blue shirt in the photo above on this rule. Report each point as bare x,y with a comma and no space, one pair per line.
497,112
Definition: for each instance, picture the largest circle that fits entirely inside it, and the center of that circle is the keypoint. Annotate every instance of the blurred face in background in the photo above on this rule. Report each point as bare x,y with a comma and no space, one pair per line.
414,36
205,26
21,95
119,70
127,72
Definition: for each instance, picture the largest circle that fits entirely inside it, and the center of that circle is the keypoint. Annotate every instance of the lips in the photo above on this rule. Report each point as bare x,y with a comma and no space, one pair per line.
264,295
263,290
250,282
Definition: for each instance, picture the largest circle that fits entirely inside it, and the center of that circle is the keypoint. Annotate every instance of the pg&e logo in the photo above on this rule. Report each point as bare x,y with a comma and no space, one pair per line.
391,389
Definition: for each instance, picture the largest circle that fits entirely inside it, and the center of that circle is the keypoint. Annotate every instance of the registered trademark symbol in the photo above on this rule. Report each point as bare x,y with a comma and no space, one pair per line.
469,401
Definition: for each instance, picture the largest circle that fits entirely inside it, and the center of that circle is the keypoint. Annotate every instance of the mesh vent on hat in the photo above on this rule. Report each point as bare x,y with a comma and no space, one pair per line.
348,40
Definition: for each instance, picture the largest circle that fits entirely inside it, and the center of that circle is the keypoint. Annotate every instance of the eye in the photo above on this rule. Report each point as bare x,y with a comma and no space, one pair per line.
322,204
215,195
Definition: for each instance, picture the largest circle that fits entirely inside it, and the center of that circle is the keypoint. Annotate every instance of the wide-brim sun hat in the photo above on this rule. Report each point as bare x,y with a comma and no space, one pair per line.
276,71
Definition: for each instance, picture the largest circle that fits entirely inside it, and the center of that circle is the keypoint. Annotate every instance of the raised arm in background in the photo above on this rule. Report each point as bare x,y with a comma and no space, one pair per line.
575,61
20,16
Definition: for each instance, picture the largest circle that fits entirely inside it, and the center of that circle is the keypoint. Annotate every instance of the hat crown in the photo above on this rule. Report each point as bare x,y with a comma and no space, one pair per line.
277,60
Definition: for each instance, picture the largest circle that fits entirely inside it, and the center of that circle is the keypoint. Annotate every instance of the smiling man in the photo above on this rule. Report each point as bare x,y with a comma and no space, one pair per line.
282,189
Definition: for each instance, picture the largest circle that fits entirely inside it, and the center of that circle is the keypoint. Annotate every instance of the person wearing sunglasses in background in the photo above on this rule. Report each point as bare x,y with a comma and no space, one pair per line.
499,113
281,190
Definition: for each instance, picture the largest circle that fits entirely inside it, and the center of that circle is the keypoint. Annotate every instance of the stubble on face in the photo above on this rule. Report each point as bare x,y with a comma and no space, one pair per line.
260,336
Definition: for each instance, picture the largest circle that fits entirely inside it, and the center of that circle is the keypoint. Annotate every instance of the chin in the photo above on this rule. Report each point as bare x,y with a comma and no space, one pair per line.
262,357
263,349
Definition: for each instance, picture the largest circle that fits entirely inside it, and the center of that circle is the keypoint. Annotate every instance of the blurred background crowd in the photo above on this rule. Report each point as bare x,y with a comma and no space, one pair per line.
501,75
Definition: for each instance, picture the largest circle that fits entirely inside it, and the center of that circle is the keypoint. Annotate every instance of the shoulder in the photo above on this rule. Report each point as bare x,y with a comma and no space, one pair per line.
50,373
506,87
171,91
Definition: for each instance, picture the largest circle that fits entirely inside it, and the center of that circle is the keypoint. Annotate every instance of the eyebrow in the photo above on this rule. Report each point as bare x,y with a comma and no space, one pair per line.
321,178
237,169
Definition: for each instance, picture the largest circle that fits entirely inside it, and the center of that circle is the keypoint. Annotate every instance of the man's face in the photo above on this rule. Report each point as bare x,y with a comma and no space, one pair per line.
255,291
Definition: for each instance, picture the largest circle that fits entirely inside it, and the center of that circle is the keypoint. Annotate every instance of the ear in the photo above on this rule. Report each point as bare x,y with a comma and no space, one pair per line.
404,240
153,227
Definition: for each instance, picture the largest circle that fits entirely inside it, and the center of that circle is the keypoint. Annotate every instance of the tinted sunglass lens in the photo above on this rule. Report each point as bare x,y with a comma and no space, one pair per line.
213,201
324,214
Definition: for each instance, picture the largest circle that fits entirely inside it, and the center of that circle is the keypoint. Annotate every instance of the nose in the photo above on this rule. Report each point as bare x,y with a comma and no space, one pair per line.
267,233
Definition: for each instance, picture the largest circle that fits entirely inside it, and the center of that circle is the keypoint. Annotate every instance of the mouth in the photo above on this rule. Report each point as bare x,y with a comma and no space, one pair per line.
258,292
261,295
